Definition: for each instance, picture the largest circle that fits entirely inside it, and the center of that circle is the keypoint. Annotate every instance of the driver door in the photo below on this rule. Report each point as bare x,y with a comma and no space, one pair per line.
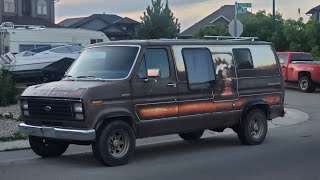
155,92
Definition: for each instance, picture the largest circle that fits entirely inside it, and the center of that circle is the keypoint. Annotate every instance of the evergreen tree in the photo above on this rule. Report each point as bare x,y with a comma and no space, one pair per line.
158,22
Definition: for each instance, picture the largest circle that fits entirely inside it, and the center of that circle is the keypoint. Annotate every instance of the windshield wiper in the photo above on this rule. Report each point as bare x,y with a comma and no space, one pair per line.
83,77
90,77
68,77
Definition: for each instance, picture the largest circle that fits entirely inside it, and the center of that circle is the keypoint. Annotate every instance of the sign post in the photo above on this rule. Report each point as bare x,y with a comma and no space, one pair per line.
236,27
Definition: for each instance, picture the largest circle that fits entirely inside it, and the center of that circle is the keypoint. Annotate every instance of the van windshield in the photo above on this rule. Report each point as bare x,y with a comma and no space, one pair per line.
109,62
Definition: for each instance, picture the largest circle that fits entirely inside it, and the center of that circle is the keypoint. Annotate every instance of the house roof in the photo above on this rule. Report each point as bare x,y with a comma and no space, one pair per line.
107,18
28,20
227,12
70,21
313,10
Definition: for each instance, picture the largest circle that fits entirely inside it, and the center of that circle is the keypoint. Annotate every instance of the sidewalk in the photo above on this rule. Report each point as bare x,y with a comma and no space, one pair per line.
292,117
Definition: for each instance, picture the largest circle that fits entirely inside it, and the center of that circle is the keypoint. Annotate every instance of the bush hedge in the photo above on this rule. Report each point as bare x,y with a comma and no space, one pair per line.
8,90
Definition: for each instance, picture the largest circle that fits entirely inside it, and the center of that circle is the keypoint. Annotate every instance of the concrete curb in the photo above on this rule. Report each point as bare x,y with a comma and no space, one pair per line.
292,117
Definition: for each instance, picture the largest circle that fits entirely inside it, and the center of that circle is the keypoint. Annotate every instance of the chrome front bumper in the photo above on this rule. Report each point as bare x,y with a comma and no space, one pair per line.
58,133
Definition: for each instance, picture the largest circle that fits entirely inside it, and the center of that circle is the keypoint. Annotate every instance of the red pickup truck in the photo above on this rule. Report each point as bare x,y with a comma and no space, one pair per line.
299,68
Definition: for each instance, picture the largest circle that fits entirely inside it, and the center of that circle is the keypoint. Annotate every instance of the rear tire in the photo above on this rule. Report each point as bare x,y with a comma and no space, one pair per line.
115,145
47,148
191,136
253,128
306,84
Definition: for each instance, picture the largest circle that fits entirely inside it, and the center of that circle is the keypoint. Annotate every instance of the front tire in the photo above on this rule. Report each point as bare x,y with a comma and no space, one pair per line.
253,128
191,136
115,145
306,85
47,148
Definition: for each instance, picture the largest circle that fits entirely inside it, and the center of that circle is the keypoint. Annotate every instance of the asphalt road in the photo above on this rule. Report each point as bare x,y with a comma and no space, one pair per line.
289,152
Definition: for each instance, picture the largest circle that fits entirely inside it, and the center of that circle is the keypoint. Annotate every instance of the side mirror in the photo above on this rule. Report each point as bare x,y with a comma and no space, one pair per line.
153,73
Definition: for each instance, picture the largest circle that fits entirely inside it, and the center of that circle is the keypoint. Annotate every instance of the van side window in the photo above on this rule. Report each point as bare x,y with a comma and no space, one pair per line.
283,58
154,59
243,59
199,68
226,83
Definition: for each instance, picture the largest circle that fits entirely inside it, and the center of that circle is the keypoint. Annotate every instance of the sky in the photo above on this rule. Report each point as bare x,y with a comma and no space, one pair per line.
187,11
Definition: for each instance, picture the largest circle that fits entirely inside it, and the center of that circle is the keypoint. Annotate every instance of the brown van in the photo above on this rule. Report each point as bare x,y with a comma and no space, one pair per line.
119,91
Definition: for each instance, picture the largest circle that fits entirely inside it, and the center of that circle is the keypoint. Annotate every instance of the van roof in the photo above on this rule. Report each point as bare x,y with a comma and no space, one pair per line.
156,42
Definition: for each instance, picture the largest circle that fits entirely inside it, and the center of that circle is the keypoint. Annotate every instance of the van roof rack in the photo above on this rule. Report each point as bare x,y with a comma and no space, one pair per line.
10,25
232,38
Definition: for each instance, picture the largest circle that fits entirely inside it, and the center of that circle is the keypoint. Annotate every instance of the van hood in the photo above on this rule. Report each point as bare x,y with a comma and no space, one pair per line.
61,89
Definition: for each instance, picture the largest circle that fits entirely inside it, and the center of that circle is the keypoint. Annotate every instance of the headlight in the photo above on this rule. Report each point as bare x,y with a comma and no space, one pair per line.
24,105
77,108
78,111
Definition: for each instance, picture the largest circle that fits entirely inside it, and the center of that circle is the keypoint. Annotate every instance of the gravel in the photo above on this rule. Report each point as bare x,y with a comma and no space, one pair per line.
8,127
13,109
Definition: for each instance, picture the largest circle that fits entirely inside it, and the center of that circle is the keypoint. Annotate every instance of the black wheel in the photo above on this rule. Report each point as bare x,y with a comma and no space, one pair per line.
47,148
306,85
191,136
253,128
115,144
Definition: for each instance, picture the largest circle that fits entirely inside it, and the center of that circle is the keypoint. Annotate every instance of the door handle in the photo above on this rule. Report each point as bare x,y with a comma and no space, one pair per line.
172,85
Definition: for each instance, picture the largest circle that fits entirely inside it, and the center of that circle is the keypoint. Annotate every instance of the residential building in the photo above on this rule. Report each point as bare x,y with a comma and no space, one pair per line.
222,16
315,13
28,12
114,26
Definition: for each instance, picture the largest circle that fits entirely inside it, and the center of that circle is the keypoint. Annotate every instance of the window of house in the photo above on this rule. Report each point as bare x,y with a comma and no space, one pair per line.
9,6
199,68
154,59
243,59
42,7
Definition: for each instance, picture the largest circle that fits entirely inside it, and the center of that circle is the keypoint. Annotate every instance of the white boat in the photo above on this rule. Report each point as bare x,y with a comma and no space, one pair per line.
45,66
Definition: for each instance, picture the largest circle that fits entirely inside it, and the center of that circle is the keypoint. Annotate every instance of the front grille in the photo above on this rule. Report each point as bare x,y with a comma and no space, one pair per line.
51,109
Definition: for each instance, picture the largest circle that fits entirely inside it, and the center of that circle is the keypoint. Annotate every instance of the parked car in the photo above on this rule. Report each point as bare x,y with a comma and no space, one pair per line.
117,92
300,69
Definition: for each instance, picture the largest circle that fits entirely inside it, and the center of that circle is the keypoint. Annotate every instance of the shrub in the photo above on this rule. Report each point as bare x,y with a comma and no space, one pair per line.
8,91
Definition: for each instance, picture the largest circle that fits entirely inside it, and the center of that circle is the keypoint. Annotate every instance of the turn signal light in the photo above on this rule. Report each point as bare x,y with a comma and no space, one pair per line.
96,102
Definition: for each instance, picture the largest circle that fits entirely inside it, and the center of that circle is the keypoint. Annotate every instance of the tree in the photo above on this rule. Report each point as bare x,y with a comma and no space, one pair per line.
212,31
8,91
158,22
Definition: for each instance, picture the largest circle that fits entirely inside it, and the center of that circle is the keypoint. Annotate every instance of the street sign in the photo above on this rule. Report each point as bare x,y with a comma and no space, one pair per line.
235,28
242,7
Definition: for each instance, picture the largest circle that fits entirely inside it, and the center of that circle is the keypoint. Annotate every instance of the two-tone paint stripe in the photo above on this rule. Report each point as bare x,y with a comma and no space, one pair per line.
187,108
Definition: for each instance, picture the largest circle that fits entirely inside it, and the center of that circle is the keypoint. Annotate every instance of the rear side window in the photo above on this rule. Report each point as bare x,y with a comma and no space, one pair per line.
283,58
262,62
243,59
302,57
199,67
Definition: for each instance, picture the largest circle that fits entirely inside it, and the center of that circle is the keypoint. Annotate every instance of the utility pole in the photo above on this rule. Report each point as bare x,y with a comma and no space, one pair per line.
274,15
235,18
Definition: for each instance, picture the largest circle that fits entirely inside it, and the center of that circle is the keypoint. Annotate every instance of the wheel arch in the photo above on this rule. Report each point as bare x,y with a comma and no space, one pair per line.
304,73
113,116
256,104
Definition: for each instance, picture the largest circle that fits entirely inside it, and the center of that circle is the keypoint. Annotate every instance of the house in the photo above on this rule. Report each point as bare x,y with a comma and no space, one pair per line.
114,26
222,16
315,12
28,12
